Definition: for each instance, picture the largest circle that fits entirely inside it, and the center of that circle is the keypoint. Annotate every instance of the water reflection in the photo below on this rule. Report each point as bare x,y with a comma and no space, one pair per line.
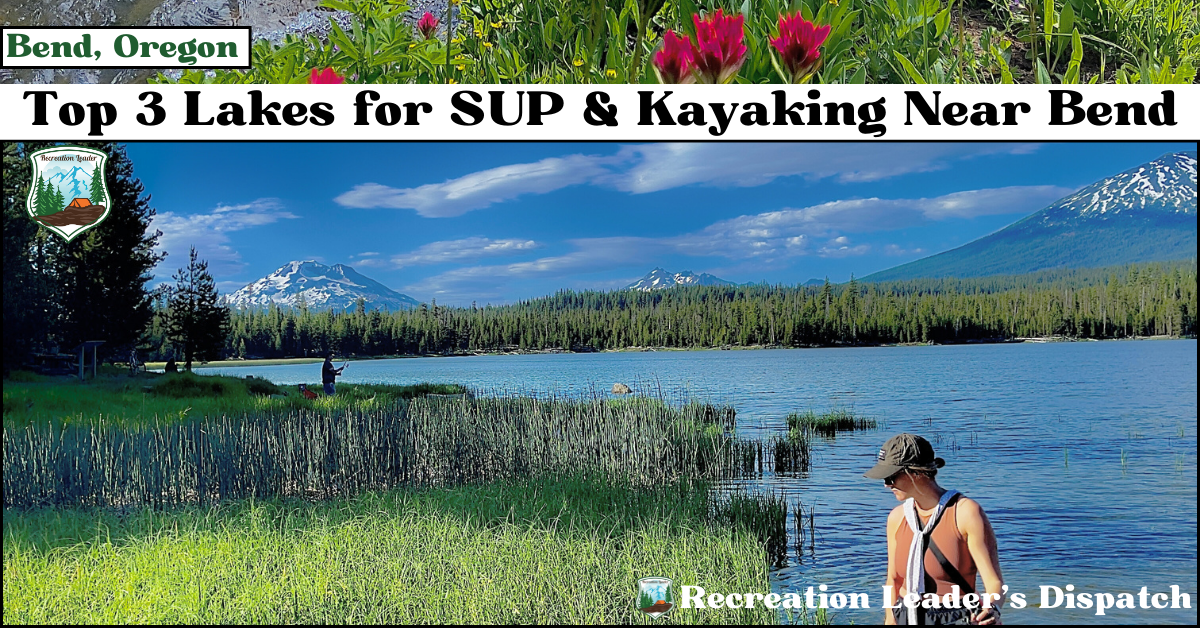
1083,454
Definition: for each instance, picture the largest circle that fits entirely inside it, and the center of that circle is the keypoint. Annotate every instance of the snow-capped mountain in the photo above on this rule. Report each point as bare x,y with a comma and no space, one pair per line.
659,279
74,183
337,286
1145,214
1166,185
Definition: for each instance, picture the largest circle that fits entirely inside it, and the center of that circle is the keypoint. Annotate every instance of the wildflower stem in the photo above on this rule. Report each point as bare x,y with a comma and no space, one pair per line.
636,60
449,34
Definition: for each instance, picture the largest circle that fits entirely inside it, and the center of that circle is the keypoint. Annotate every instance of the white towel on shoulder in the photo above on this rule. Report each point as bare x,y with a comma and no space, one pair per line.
914,577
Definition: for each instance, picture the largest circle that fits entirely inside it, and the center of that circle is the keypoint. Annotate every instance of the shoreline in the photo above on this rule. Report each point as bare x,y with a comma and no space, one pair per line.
640,349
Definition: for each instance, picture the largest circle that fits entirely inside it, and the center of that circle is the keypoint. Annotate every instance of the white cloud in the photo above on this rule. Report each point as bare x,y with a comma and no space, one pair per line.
647,168
664,166
209,234
479,189
788,232
590,256
465,249
229,287
896,250
767,239
841,247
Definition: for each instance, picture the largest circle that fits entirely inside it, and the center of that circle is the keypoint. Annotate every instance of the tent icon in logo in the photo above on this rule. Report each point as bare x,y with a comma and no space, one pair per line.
654,596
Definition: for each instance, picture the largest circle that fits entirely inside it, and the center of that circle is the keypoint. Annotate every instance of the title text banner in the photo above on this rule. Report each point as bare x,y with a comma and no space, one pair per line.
599,112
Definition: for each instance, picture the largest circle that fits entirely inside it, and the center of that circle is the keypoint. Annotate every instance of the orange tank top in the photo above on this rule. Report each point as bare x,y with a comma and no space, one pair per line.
954,547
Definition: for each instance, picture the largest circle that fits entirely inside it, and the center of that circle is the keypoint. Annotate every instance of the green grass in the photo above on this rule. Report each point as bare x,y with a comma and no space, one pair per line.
362,440
553,550
826,423
234,362
156,399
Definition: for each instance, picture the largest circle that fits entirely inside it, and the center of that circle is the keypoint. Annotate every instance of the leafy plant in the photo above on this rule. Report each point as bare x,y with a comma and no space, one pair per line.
869,41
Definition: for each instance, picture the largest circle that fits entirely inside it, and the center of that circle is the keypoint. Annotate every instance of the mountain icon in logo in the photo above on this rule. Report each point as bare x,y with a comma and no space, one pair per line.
69,194
654,596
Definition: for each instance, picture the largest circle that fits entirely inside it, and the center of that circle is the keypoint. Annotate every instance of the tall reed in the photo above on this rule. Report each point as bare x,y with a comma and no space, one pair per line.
792,454
422,442
829,423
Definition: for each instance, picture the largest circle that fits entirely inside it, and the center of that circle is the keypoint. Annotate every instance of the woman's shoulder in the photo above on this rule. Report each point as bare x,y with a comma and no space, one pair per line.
969,516
968,506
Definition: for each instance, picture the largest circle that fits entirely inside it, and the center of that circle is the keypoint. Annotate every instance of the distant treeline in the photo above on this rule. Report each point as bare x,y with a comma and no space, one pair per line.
1138,300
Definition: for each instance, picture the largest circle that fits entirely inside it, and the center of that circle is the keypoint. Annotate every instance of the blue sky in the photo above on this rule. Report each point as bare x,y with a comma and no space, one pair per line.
500,222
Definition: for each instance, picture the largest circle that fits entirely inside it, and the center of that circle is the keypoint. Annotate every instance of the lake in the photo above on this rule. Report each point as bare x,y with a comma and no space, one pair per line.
1083,454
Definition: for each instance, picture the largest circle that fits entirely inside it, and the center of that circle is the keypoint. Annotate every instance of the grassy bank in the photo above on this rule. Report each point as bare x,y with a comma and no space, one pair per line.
155,399
370,445
544,551
251,362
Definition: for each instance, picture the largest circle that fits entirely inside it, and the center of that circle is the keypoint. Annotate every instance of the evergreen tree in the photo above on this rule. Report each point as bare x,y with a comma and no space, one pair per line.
196,320
100,277
97,195
27,306
57,201
42,203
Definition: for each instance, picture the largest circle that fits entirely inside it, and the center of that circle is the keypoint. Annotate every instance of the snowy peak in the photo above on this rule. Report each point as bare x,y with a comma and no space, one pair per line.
319,287
74,183
1163,188
659,279
1144,214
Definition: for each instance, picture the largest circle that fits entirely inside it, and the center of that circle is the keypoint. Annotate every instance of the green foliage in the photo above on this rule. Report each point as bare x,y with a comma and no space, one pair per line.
26,291
613,41
186,385
826,424
365,446
93,288
1118,302
551,550
97,187
155,399
196,320
23,377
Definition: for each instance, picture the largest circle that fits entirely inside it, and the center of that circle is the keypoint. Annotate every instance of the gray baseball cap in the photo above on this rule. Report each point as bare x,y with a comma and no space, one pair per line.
903,451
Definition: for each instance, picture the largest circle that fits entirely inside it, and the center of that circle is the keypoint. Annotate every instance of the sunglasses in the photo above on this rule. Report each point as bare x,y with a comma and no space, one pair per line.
891,479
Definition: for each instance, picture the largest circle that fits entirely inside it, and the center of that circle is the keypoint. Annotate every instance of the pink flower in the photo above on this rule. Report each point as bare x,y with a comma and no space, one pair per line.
427,25
675,61
719,50
326,76
799,45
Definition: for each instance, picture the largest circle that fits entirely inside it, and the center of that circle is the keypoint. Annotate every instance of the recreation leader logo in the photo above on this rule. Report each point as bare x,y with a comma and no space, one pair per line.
654,596
68,195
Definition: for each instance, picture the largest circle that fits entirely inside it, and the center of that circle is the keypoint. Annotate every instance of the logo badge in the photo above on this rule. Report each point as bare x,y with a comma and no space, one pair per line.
654,596
68,194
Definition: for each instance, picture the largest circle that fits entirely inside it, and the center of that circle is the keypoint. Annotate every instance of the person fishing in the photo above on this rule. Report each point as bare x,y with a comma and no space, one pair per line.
936,539
329,373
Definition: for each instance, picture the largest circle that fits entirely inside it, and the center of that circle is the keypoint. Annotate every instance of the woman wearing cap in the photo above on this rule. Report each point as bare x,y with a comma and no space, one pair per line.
936,539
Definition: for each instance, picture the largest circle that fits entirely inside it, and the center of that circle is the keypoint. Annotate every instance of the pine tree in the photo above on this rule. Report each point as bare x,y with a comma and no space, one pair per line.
28,307
196,320
100,277
42,202
57,201
97,195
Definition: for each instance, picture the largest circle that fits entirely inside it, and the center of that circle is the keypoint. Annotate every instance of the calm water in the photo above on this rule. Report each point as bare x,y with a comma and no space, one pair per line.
1002,417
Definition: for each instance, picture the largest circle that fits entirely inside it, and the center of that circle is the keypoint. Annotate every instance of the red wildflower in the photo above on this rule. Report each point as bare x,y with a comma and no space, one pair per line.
719,50
799,45
427,25
675,61
327,76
